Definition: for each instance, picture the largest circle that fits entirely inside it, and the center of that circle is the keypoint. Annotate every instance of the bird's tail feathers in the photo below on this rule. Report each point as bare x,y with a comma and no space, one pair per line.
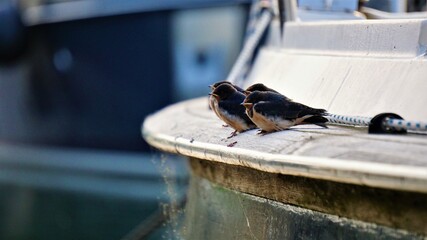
317,120
323,125
322,112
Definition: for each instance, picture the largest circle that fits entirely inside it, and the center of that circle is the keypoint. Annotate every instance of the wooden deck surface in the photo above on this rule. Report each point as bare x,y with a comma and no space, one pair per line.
341,154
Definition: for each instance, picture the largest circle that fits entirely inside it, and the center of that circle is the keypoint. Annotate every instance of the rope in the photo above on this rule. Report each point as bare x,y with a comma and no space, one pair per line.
249,47
408,125
349,120
381,123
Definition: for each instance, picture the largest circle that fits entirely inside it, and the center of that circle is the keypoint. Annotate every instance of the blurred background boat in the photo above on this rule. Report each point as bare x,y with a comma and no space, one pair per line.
77,78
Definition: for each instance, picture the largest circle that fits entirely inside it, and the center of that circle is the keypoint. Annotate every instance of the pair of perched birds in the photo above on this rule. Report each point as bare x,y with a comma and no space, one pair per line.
260,107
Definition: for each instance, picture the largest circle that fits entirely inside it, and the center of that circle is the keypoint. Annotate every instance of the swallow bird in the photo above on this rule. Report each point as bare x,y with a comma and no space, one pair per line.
227,102
262,88
272,112
215,85
212,101
258,87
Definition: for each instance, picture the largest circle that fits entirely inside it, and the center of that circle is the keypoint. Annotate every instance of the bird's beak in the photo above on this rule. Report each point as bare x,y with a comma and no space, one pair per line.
247,105
214,95
211,87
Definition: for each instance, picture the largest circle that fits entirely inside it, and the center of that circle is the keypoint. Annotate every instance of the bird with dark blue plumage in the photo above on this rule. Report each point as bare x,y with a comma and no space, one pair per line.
227,102
272,111
212,100
258,87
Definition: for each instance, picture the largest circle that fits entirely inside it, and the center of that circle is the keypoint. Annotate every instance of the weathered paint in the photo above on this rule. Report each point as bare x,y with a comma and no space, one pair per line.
215,212
338,153
402,210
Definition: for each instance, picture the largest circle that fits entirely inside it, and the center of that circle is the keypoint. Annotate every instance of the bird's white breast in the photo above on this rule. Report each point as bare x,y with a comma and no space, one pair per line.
271,123
233,120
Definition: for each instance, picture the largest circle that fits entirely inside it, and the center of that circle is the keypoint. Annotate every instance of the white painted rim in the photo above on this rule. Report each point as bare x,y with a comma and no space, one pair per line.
390,176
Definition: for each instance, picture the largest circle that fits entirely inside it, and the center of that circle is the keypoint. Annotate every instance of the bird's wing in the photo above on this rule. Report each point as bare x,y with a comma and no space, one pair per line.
270,108
232,104
306,110
232,107
287,109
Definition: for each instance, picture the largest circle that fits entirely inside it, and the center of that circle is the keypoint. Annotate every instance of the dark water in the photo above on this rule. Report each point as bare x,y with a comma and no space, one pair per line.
109,200
27,213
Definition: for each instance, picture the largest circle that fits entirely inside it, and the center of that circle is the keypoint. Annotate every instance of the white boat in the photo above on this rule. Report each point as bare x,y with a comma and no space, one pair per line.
309,182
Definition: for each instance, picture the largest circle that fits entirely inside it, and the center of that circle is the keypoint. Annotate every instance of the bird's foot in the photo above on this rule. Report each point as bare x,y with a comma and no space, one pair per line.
232,134
261,132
